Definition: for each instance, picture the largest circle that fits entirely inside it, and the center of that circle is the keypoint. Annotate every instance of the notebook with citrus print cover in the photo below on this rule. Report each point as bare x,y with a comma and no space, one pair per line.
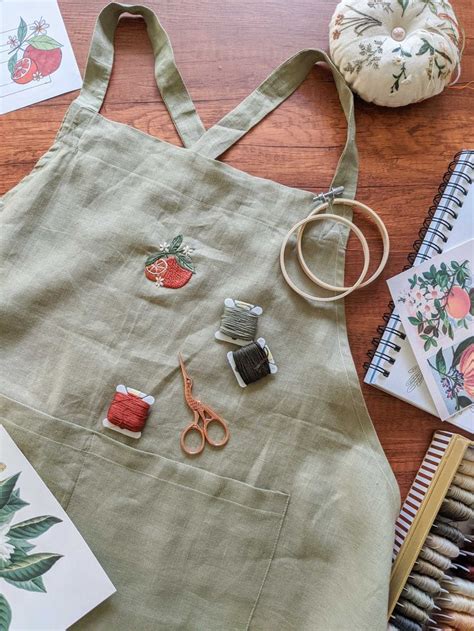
450,221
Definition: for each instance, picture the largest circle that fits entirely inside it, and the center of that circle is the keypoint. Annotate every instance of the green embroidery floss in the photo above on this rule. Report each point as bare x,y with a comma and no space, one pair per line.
239,324
408,609
252,363
418,597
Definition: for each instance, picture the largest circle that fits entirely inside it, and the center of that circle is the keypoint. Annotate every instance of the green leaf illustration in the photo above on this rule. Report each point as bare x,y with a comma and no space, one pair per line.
44,42
426,46
17,555
444,55
440,363
6,489
14,504
35,585
33,566
461,348
22,30
5,614
176,243
186,262
155,257
471,296
22,545
403,4
414,321
12,63
33,527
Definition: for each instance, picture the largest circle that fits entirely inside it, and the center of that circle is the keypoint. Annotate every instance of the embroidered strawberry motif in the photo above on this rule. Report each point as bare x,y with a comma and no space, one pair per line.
172,266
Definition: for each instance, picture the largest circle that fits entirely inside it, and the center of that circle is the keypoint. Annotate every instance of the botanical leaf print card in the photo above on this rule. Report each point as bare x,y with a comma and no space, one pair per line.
436,305
49,578
36,58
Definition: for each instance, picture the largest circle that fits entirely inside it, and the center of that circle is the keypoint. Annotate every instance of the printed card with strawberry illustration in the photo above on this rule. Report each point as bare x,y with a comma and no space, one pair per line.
36,58
49,578
435,301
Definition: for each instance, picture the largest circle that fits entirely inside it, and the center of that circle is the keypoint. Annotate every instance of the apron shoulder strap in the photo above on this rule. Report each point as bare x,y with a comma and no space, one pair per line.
277,87
170,83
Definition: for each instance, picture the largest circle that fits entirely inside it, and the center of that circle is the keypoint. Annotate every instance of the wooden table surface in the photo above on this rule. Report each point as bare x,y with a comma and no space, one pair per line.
224,48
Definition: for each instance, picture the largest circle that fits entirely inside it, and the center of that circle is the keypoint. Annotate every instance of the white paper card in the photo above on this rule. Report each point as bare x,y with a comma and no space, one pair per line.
435,301
62,579
36,58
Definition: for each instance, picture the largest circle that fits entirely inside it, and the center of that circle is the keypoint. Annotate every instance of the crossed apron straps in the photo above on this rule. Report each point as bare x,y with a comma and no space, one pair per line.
277,87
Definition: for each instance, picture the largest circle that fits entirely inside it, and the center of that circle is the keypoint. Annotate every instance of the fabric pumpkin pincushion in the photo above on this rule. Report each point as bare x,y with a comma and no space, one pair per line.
396,52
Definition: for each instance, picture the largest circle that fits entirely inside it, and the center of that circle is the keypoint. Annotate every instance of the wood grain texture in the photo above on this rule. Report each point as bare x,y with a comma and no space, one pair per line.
224,49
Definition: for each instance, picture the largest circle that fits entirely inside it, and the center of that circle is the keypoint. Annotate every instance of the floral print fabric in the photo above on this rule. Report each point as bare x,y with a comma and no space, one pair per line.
395,52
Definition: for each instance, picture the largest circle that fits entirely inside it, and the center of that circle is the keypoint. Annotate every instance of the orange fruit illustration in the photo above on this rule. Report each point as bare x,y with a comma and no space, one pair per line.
24,70
172,266
47,61
458,303
175,276
156,270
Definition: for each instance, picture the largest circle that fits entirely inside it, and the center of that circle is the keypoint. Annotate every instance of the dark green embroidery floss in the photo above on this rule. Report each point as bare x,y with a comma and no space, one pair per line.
251,362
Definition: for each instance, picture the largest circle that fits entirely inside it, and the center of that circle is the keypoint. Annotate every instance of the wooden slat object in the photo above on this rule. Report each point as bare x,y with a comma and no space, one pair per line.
224,49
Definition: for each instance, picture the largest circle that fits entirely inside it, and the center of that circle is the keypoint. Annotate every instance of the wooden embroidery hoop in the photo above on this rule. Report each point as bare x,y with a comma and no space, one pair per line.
316,216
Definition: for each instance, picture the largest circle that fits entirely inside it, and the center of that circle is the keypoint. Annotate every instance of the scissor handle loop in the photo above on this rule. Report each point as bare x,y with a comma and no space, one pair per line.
223,424
182,439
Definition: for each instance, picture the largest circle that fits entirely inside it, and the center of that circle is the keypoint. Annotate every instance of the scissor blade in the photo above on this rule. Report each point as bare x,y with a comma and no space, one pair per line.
184,372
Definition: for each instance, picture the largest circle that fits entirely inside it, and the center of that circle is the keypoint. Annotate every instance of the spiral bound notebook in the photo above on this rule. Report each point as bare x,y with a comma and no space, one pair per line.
450,221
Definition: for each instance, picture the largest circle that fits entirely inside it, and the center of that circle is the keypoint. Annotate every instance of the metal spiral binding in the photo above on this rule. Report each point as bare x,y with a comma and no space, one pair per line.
426,228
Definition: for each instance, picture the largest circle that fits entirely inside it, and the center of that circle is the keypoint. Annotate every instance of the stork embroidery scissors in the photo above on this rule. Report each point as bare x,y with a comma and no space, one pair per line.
203,417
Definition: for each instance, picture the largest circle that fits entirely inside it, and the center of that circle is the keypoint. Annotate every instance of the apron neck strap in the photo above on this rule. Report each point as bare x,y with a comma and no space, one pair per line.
169,81
277,87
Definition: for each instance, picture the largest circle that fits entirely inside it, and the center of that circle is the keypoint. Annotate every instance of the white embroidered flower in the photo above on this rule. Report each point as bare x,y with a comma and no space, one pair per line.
6,549
159,281
187,250
164,247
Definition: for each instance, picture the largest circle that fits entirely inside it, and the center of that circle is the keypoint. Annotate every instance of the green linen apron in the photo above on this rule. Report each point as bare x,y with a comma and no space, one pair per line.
290,525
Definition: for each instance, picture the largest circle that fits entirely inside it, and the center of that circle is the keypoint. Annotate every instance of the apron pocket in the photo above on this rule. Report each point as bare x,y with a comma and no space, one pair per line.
185,548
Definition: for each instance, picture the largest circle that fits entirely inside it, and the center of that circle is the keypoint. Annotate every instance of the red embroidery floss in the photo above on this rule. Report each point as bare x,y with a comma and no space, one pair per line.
128,412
